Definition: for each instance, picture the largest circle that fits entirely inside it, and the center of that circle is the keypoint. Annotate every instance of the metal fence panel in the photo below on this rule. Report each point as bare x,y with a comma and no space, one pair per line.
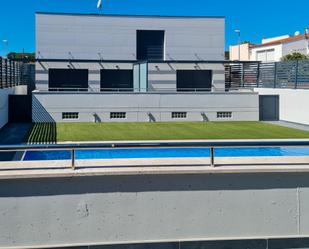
303,75
285,74
11,73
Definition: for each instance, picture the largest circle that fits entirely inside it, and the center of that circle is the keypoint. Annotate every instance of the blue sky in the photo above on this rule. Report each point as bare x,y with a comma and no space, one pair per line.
263,18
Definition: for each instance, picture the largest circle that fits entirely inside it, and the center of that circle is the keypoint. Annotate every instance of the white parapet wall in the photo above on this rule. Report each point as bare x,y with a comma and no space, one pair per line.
49,106
111,209
293,103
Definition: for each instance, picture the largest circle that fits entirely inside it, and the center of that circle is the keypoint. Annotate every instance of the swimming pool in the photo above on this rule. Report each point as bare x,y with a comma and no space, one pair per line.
165,153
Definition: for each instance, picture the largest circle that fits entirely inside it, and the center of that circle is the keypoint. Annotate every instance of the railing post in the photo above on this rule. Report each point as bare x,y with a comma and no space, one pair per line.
243,74
275,75
73,158
258,75
296,74
10,71
13,73
6,72
1,80
212,157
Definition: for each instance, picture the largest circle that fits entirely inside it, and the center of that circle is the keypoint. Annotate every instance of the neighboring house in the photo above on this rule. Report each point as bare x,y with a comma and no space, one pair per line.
272,49
101,68
244,54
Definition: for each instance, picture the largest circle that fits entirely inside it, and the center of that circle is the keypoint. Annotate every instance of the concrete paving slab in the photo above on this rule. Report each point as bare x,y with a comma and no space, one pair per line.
62,168
290,125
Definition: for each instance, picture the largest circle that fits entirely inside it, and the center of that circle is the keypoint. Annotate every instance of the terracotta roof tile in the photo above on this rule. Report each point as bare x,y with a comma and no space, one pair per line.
293,38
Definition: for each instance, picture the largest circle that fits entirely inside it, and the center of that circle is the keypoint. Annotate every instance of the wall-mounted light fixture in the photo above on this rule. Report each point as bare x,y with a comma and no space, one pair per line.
70,56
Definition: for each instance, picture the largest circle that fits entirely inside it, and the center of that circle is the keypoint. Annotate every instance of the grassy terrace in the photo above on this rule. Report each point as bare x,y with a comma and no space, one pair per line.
158,131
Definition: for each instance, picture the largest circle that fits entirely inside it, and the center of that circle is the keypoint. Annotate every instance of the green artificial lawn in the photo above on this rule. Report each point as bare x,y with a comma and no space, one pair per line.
159,131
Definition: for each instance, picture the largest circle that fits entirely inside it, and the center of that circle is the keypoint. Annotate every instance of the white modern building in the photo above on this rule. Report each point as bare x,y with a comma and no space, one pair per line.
271,49
102,68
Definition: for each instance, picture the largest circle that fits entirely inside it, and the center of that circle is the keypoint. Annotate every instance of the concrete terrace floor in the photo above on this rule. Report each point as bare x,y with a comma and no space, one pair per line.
290,125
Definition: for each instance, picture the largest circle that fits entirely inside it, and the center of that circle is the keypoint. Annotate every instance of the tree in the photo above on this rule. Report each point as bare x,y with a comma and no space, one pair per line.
295,56
21,56
227,55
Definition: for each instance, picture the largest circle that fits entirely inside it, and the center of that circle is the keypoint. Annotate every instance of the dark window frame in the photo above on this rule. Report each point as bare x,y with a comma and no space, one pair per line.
189,80
224,115
141,45
179,115
63,79
117,115
70,115
114,86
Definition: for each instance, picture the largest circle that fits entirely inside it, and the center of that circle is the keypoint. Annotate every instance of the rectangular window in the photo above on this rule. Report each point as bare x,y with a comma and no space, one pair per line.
60,79
116,80
194,80
70,115
118,115
266,55
224,115
179,115
150,44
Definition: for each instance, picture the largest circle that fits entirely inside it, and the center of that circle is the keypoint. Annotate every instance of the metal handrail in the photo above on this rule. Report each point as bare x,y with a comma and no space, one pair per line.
201,144
145,90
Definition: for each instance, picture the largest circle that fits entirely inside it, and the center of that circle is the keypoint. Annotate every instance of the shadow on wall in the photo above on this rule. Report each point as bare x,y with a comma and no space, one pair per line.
44,129
39,113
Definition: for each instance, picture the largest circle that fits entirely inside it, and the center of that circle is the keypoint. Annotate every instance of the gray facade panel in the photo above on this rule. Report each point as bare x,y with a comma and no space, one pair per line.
114,37
160,75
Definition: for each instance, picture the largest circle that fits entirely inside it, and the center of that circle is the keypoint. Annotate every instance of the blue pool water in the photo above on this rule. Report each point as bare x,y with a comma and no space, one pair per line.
165,153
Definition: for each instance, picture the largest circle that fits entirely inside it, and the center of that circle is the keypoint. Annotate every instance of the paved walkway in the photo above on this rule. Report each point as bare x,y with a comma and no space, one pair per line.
291,125
13,134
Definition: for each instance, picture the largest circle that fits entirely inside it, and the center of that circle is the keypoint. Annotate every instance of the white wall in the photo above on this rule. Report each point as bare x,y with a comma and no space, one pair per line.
114,37
244,52
277,52
4,105
293,104
300,46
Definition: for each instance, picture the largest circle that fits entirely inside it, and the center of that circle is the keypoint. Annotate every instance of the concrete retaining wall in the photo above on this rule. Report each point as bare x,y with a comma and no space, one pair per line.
48,107
153,208
293,104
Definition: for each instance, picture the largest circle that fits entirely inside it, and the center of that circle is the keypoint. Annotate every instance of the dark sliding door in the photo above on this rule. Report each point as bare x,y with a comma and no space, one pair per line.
70,79
194,80
116,80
